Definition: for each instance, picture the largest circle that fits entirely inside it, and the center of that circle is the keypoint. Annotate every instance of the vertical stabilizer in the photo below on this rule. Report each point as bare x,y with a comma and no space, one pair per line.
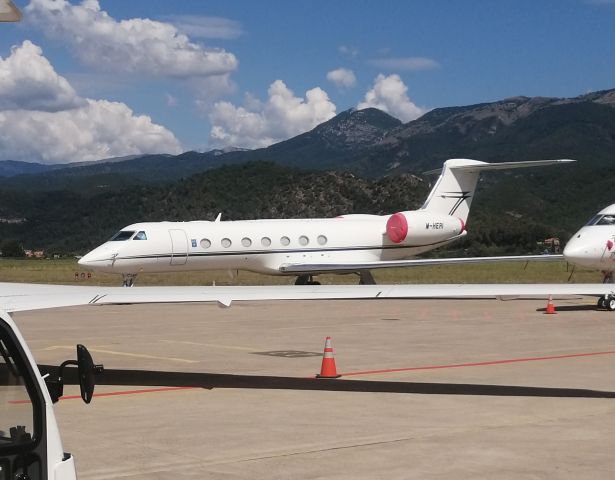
453,192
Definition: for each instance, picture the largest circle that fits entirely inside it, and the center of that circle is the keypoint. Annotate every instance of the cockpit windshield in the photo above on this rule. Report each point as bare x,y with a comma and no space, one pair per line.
140,236
121,236
602,220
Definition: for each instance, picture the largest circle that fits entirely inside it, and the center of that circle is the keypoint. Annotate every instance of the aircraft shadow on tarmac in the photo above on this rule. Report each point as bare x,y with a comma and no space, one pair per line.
219,380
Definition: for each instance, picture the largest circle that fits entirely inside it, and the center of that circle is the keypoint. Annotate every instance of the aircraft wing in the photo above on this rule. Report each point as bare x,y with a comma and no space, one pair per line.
16,297
299,268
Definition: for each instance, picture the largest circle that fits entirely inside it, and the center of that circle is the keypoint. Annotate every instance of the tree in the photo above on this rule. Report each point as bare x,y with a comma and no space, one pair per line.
12,248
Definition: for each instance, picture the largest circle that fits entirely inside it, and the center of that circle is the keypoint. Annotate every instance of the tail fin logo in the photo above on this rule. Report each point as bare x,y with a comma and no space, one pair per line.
460,196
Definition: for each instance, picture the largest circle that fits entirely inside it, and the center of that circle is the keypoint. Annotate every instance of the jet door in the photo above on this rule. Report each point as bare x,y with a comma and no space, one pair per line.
179,247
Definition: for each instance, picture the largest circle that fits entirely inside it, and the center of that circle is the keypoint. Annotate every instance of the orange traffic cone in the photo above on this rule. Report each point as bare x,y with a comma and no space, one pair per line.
550,307
327,369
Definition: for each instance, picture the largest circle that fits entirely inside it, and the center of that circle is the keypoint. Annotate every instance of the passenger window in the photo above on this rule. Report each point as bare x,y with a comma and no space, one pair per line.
266,242
246,242
121,236
226,242
285,241
205,243
140,236
322,240
303,240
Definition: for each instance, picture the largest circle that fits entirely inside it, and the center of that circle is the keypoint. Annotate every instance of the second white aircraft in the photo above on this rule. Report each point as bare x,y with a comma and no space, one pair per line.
305,247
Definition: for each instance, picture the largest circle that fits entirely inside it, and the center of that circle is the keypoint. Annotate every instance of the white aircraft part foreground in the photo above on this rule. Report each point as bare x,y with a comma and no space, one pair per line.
18,297
27,401
303,247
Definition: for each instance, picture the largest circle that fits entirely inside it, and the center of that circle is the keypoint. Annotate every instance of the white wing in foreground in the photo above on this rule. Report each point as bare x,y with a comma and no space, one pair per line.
19,296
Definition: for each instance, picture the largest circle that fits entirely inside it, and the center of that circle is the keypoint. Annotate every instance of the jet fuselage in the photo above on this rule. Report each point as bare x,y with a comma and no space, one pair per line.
263,246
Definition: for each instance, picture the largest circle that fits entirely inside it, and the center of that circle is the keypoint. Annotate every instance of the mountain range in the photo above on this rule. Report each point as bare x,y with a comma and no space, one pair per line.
378,161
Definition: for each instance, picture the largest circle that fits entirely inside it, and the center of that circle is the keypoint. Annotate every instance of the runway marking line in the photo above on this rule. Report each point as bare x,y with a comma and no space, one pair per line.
125,354
211,345
480,364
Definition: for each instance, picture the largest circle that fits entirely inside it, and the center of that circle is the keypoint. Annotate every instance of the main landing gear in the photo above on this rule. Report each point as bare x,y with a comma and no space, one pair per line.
365,278
306,280
607,301
129,279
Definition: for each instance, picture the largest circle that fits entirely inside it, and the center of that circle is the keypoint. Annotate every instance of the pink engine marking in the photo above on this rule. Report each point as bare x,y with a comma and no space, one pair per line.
397,227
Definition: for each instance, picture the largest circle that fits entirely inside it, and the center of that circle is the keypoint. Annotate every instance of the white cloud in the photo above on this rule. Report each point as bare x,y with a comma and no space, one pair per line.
410,64
389,94
209,89
200,26
342,77
259,124
137,45
101,129
27,80
42,118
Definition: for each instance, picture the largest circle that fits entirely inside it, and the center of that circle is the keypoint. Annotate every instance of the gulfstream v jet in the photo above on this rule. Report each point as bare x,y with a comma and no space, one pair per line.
305,247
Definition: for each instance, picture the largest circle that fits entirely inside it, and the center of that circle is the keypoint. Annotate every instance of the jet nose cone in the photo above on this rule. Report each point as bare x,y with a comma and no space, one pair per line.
99,258
581,252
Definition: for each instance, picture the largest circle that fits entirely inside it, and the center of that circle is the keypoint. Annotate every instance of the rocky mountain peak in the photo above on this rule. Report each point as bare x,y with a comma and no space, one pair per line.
356,128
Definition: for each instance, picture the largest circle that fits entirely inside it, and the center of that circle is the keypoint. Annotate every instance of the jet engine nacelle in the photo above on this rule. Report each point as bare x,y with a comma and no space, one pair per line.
421,227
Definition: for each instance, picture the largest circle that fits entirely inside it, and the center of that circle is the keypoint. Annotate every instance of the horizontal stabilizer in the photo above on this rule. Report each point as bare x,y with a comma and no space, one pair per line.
481,166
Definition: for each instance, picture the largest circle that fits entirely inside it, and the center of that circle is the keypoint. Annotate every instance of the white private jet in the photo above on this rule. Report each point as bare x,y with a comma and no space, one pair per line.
306,247
593,247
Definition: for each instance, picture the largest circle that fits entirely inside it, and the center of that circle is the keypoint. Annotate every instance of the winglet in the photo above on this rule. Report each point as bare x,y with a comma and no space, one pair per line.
218,217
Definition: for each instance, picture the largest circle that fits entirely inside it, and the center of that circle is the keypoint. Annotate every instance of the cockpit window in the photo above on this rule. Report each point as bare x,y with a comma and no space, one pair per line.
602,220
140,236
121,236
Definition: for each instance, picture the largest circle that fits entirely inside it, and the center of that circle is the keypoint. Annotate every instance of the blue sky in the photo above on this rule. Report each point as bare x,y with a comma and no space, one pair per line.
201,74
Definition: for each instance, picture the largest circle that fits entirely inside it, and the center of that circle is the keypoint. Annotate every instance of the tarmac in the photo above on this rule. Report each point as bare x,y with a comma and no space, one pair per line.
456,415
